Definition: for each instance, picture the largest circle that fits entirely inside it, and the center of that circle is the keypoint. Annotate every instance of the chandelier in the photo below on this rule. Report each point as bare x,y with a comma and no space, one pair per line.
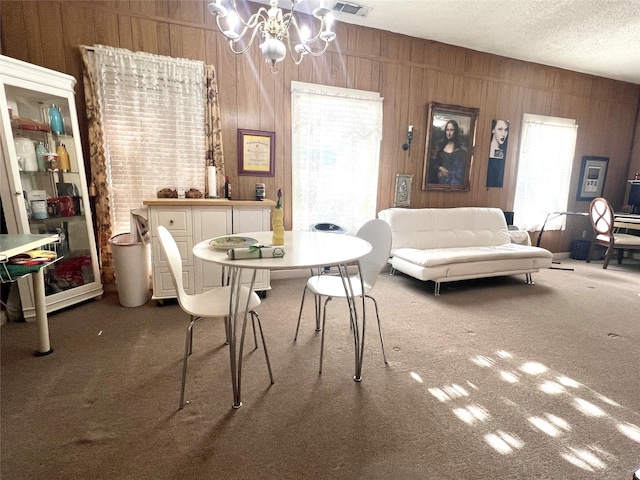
275,28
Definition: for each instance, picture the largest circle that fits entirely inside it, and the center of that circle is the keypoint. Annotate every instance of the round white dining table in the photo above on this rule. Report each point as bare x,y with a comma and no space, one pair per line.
302,250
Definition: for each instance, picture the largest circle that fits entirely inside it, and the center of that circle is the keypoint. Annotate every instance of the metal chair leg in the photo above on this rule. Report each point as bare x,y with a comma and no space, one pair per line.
255,338
384,356
317,300
254,315
226,330
188,345
190,331
324,319
304,293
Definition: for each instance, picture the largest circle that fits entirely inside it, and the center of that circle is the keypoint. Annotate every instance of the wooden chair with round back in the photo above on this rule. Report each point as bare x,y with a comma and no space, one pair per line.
603,223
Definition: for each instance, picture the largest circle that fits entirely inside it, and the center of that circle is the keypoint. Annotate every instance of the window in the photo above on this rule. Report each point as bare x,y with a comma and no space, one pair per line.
336,135
152,112
544,171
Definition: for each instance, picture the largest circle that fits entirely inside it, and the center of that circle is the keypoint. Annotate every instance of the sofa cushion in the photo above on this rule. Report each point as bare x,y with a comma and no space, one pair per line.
427,228
442,256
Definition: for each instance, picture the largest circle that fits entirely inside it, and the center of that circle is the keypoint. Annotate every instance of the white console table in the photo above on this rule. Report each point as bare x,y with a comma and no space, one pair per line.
192,220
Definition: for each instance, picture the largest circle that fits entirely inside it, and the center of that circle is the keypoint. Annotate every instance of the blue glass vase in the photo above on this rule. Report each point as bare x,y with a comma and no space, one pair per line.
55,120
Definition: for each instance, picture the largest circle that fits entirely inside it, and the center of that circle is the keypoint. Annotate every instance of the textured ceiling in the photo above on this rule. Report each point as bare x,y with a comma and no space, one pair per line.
599,37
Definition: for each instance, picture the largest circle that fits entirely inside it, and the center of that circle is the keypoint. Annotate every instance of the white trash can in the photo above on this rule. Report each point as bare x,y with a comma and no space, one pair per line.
131,263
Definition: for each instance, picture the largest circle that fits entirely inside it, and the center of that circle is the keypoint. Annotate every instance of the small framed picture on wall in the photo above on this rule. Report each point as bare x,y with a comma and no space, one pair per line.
592,176
256,153
403,190
497,152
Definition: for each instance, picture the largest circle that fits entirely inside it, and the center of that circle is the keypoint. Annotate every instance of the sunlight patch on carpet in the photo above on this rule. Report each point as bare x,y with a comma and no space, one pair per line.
630,430
527,387
503,442
533,368
552,388
509,377
472,414
588,408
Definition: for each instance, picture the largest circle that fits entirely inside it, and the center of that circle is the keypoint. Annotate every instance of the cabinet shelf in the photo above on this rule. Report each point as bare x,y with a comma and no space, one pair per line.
53,220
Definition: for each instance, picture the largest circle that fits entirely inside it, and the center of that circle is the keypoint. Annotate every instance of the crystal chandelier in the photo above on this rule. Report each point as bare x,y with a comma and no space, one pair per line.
275,28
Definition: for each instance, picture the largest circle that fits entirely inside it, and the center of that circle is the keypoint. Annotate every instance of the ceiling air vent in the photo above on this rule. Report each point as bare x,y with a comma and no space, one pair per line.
351,9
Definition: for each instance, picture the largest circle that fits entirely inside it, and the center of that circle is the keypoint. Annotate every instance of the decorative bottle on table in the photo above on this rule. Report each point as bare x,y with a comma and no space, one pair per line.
277,222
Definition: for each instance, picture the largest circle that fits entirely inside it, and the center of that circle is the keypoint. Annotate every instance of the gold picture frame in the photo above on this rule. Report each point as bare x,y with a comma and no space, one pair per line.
448,160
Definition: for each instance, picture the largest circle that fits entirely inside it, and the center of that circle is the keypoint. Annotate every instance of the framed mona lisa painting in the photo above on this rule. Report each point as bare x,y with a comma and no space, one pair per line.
451,133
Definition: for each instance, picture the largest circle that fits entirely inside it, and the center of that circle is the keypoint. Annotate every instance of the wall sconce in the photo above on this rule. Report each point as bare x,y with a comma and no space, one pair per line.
406,146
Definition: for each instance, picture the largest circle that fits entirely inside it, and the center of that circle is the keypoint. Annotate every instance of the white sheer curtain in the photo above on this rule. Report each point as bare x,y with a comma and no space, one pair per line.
336,135
152,112
544,171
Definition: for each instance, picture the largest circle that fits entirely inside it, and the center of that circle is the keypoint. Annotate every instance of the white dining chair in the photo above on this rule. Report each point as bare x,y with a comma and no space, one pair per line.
214,303
378,233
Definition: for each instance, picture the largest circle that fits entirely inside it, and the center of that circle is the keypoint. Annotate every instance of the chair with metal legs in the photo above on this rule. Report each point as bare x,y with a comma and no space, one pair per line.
214,303
378,233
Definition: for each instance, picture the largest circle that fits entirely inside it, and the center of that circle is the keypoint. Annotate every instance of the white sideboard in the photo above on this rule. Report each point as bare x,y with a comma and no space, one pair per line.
191,221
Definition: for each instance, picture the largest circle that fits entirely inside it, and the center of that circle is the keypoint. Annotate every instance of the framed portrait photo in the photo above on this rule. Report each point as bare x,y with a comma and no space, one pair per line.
592,175
451,134
497,152
402,197
256,153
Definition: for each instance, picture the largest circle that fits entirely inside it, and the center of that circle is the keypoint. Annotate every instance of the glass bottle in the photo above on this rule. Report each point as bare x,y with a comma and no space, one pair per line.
63,158
227,188
55,120
41,151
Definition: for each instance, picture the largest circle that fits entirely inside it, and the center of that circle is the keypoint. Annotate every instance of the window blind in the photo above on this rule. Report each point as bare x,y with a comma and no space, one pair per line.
152,113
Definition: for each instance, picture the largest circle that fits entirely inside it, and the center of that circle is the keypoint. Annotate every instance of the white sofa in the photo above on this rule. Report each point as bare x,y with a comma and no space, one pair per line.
450,244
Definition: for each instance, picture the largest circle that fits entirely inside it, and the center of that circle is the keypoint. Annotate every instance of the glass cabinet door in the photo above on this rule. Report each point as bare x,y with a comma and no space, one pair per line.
46,191
51,184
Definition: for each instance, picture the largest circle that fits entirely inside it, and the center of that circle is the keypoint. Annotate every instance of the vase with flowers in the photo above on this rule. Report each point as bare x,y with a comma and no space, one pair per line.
277,222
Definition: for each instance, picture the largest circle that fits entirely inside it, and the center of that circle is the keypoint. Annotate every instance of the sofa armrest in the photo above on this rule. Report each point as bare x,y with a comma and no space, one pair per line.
520,237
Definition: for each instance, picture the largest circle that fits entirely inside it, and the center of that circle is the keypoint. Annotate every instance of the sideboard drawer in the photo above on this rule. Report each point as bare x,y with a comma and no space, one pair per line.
177,220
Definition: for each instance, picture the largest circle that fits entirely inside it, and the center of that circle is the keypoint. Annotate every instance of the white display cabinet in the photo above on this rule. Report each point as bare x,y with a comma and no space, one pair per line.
45,197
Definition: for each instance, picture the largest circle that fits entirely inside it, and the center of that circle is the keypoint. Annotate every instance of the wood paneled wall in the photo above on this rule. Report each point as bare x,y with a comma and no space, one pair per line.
409,73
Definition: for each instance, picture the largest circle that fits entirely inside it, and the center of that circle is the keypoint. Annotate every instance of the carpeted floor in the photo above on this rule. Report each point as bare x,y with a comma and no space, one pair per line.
494,379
